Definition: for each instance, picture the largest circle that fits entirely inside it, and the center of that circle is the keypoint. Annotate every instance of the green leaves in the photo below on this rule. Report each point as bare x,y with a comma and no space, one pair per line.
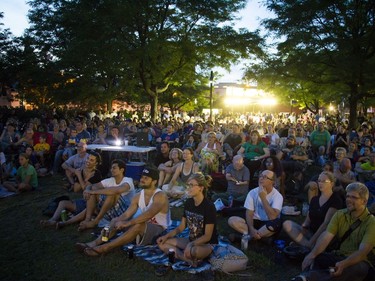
324,52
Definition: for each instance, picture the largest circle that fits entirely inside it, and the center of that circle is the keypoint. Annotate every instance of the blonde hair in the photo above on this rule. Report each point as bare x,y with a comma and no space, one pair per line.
329,175
202,180
179,152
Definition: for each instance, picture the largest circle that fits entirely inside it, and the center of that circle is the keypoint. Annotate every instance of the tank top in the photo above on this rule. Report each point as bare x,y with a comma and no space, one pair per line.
160,218
183,177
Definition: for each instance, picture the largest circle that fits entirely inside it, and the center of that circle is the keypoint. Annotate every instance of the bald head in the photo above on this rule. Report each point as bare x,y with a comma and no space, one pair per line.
237,162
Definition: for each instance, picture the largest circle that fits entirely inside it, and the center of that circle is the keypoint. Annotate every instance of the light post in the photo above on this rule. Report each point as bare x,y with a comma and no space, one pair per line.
211,101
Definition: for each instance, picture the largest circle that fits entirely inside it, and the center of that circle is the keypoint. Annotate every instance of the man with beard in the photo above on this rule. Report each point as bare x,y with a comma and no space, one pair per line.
350,260
144,228
162,156
292,161
232,140
109,198
320,137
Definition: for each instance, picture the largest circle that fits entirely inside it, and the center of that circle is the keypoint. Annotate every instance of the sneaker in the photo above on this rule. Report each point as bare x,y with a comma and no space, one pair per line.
162,270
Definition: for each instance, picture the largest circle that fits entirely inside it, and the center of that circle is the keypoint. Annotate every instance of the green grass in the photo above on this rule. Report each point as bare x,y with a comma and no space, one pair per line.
30,252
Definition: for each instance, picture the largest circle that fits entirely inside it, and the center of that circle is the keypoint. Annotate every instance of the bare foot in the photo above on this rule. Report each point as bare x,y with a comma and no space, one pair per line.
93,252
86,224
48,223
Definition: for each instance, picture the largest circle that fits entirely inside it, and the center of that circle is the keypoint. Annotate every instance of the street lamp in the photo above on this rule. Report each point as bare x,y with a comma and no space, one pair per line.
211,84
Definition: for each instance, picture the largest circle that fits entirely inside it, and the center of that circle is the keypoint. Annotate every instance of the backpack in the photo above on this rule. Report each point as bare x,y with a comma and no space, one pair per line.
52,205
228,259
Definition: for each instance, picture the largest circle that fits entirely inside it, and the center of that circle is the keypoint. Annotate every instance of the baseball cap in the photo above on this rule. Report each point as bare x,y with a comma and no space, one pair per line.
151,172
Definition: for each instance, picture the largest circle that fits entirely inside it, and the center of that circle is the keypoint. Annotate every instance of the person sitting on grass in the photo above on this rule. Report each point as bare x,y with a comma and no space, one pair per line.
74,164
42,149
351,259
321,210
144,228
26,177
107,199
88,176
263,205
176,187
167,169
238,178
199,217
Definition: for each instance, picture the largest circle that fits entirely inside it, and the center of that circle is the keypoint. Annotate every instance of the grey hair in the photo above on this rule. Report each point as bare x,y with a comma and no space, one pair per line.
360,188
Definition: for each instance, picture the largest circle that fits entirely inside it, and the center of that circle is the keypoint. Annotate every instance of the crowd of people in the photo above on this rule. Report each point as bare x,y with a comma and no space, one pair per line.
263,161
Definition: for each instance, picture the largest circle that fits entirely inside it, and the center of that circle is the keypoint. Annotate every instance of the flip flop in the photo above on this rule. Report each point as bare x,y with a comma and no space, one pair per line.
60,224
91,252
162,270
80,247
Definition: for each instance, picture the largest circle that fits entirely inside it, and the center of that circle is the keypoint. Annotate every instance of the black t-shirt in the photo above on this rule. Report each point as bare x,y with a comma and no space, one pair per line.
97,177
317,213
198,216
341,143
160,158
233,140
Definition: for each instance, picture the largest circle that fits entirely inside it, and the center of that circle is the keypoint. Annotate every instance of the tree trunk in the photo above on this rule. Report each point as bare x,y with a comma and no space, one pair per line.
154,108
353,102
109,105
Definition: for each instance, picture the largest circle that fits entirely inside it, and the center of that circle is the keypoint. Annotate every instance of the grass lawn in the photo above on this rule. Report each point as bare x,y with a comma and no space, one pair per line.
30,252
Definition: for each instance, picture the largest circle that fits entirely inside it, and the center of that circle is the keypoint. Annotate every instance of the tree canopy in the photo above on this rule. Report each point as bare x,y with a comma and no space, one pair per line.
325,52
130,49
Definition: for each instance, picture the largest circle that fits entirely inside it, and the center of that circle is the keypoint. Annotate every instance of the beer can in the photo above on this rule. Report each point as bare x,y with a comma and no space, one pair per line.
64,215
105,235
130,252
171,256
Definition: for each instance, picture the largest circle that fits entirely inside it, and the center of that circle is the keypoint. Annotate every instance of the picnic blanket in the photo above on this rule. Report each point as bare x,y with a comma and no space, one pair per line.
155,256
5,193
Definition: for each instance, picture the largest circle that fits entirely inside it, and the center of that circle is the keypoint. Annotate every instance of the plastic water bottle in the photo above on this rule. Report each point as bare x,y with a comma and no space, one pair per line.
305,209
279,256
230,201
245,242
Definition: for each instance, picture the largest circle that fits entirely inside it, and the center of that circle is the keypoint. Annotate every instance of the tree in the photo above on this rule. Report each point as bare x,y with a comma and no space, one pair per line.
326,50
143,47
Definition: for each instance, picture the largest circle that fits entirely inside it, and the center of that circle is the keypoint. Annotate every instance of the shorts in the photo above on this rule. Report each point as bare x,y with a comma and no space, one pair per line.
152,232
271,225
80,206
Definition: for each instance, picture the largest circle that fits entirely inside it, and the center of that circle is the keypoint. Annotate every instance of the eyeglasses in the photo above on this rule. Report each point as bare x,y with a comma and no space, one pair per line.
190,185
352,197
265,177
325,181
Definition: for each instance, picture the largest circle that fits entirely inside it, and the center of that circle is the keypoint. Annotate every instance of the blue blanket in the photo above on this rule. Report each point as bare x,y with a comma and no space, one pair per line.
155,256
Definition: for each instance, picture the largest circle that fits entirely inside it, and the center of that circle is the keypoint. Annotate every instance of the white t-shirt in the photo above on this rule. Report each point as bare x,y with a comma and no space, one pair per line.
111,182
254,203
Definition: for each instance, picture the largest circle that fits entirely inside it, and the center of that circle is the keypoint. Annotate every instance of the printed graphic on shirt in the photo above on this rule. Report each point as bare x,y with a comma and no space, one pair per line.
195,223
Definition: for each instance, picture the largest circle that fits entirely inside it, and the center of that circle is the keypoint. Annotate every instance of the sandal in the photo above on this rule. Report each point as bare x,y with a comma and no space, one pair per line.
60,224
162,270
